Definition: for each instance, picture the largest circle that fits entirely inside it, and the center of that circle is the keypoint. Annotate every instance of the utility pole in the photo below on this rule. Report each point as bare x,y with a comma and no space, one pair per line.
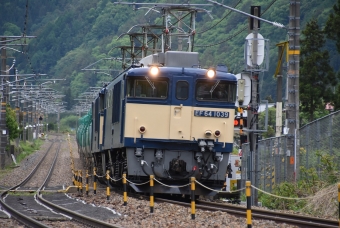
24,116
58,118
4,100
255,100
17,105
292,106
278,74
31,121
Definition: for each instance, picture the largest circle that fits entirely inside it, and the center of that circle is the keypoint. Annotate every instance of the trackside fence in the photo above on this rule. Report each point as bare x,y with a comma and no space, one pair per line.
272,163
318,140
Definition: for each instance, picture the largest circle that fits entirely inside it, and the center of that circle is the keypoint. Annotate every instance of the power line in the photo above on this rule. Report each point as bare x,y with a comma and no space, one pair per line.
237,33
221,19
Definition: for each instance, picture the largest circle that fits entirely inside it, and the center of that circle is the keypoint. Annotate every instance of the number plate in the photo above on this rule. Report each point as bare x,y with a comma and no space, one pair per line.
218,114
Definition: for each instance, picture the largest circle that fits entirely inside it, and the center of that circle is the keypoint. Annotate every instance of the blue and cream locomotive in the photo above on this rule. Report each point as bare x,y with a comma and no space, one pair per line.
164,116
168,118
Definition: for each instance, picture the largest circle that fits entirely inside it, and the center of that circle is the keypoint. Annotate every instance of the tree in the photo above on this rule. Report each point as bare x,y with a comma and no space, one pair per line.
317,78
271,122
11,123
332,28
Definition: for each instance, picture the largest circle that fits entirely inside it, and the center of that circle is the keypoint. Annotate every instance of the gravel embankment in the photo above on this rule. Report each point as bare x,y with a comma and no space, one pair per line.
137,211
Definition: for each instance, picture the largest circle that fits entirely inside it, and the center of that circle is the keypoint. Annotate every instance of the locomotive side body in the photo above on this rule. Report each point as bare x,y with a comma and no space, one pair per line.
174,124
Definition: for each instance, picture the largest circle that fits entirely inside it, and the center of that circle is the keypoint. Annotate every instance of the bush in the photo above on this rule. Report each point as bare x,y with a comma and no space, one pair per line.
311,182
28,148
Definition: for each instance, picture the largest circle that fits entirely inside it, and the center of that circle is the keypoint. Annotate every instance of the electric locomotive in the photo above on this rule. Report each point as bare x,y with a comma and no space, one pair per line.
168,118
164,115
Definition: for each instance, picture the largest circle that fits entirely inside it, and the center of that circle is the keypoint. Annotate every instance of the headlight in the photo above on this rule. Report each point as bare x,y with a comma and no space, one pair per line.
154,71
211,73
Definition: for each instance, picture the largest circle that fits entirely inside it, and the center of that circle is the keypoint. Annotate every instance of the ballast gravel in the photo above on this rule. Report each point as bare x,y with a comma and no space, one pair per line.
137,211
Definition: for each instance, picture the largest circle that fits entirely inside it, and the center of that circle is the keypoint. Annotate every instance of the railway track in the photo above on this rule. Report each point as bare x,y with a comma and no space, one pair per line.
278,217
40,193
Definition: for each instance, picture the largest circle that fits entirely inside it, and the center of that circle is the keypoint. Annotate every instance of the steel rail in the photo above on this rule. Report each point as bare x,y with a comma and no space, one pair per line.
300,220
76,216
293,219
21,218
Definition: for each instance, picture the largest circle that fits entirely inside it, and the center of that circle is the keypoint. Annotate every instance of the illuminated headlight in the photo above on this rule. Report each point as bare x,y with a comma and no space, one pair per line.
217,133
211,73
142,129
154,71
207,133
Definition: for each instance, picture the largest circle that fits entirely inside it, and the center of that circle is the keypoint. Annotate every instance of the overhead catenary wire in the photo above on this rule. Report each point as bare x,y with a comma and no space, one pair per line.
237,33
220,20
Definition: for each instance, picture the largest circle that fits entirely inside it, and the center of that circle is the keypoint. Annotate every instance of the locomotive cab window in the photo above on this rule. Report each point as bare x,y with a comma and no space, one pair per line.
145,87
182,90
218,90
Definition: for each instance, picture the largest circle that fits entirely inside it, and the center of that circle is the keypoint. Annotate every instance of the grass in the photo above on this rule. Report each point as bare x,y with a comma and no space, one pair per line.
28,148
31,193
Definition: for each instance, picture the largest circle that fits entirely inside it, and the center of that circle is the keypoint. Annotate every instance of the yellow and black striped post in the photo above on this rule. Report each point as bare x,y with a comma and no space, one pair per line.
77,181
94,181
151,193
125,189
248,194
193,198
74,178
87,182
81,181
108,185
339,201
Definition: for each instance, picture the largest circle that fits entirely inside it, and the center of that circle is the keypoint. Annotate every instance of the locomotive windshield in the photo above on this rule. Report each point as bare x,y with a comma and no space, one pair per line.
217,90
146,87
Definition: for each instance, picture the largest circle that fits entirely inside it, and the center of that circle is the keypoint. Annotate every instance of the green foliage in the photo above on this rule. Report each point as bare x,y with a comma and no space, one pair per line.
316,75
71,36
11,123
337,95
312,180
328,166
11,29
271,122
51,127
305,116
69,122
243,197
332,28
28,148
284,189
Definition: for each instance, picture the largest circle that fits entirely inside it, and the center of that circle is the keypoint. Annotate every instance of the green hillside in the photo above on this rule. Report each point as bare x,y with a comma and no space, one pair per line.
72,34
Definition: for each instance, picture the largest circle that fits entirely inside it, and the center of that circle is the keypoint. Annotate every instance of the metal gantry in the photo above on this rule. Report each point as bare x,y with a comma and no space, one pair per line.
7,43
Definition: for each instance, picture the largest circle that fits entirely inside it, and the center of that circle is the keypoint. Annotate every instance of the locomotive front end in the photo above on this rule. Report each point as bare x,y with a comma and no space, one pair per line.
179,124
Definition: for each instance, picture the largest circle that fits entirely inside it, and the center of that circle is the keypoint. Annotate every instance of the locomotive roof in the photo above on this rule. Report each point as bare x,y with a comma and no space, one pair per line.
181,71
177,63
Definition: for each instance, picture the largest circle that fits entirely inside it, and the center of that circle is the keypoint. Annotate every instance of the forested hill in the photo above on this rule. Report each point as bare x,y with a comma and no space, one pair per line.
72,34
